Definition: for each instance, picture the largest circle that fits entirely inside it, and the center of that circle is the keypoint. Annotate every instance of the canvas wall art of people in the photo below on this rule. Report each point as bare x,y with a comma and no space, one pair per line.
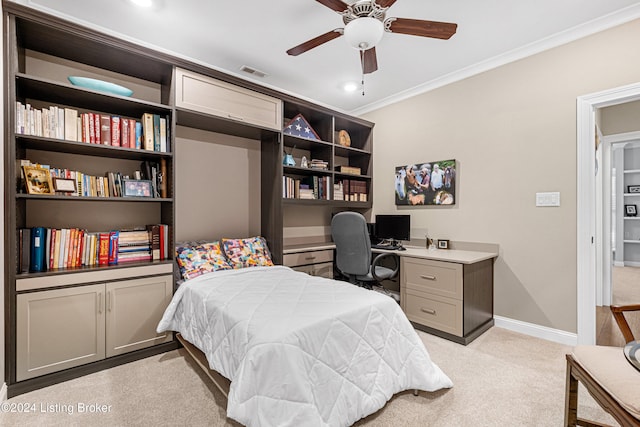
430,183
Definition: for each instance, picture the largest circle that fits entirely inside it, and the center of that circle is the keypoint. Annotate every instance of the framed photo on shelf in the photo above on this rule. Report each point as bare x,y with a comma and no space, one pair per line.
633,188
443,244
630,210
37,180
137,188
64,185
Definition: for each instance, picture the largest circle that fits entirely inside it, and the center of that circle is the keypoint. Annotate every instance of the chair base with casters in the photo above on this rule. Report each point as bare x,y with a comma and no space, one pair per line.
608,376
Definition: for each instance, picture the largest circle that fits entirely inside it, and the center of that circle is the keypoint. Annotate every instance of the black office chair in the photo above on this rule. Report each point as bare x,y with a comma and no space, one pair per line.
353,251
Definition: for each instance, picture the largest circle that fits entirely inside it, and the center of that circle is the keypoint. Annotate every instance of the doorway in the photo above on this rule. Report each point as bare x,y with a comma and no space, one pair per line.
586,203
618,222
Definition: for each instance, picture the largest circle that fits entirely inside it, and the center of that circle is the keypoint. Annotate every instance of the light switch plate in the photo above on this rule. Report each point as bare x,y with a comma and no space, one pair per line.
548,199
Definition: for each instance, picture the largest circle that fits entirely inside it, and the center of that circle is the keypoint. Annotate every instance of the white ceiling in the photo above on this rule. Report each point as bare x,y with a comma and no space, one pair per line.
229,34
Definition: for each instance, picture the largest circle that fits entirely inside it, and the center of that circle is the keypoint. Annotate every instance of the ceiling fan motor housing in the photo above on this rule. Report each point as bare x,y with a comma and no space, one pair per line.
364,8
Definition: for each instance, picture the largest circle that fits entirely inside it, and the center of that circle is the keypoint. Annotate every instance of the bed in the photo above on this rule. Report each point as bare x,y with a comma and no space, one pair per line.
297,349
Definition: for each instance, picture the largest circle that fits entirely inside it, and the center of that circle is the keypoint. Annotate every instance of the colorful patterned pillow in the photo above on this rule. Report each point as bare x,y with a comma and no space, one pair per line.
250,252
200,258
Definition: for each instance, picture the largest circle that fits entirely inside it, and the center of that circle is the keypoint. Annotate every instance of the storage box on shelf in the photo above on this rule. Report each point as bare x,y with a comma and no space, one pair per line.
121,302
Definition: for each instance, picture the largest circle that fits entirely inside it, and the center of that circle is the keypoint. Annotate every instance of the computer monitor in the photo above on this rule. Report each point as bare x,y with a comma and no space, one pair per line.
393,227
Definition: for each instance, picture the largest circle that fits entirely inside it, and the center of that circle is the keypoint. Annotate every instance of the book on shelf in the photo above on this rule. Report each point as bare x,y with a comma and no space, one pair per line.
113,247
115,131
162,178
319,164
124,136
24,250
163,134
92,127
41,249
154,237
103,248
138,135
147,131
105,129
353,190
349,169
70,124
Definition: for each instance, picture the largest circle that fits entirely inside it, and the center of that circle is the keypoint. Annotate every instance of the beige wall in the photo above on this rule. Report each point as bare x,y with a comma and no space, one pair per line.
620,118
513,133
217,185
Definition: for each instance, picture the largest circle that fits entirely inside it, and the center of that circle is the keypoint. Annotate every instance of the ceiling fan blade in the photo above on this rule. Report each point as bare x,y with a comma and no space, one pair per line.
385,3
418,27
369,60
315,42
337,5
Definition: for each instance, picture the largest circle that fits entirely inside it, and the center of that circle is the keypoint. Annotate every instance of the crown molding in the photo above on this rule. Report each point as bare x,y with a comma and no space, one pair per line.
597,25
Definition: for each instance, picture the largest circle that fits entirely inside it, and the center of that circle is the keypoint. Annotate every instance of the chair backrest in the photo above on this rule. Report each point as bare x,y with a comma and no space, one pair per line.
618,314
353,246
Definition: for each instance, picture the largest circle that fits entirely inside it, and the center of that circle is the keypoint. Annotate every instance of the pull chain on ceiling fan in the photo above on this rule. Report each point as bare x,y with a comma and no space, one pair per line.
365,23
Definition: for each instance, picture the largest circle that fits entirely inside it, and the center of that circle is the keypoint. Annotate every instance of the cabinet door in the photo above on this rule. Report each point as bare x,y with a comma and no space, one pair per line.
134,309
59,329
204,94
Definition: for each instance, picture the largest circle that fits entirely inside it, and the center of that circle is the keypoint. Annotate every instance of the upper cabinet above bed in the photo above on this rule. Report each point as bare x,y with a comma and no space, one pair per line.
197,93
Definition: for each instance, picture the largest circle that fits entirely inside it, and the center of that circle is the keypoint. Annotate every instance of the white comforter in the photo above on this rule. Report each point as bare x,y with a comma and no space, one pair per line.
301,350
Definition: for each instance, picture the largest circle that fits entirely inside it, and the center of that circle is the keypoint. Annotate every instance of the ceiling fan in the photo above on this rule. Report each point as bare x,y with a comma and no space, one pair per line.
365,22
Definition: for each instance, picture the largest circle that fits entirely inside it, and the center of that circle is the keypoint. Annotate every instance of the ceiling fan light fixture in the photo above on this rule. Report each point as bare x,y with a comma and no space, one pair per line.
364,33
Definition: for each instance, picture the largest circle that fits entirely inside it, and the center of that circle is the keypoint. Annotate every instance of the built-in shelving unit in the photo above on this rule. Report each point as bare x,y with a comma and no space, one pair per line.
40,52
630,224
104,314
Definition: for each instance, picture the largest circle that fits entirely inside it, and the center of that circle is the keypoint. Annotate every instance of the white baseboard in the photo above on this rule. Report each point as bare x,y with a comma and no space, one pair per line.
550,334
618,263
3,392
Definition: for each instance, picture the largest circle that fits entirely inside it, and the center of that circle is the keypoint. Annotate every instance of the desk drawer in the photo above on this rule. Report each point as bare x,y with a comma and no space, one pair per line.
309,257
320,270
435,277
444,314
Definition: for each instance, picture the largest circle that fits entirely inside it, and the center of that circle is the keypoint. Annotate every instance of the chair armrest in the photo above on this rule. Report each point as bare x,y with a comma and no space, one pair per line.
378,259
618,314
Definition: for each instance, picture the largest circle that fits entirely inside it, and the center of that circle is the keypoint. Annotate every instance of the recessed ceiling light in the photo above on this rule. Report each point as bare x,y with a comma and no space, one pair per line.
350,87
142,3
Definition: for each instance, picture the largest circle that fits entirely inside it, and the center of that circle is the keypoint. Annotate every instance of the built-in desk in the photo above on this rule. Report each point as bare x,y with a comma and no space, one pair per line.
316,260
446,292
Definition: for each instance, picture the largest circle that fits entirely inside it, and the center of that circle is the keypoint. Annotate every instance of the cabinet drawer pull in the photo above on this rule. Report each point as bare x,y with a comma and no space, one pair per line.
99,302
428,277
310,258
109,302
428,310
231,116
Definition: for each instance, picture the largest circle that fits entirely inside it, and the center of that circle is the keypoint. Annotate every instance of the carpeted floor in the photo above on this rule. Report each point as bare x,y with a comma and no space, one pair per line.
501,379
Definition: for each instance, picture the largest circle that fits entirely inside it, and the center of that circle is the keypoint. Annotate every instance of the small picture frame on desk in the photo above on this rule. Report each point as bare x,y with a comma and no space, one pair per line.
443,244
630,210
137,188
64,185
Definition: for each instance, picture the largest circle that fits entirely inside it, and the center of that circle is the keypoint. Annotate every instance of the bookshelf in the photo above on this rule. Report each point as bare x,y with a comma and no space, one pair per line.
40,53
354,188
291,212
